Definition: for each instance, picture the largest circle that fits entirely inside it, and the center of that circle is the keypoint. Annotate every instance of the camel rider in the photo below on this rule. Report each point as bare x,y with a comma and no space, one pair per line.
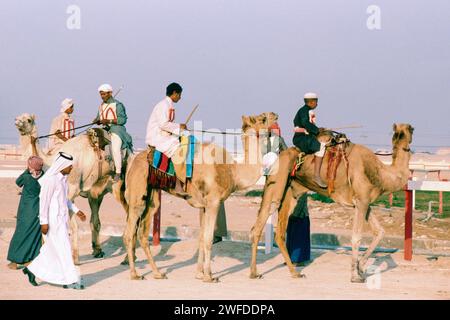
112,115
306,132
63,126
162,132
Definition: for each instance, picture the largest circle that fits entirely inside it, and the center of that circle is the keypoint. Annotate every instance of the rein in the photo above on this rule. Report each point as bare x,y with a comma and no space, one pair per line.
228,133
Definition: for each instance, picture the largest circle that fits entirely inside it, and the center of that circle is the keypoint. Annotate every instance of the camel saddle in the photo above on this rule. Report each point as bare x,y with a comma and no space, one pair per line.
99,140
335,152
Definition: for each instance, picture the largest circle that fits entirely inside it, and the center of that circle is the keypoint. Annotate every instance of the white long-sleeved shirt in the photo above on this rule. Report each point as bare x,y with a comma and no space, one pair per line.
162,132
53,199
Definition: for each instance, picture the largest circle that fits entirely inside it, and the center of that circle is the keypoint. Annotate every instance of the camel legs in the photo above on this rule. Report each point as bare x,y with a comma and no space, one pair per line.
201,252
129,236
144,231
94,204
125,260
287,206
267,208
211,212
378,232
358,220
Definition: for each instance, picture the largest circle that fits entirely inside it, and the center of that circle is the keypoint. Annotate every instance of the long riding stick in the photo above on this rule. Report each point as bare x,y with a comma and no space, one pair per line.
348,127
190,115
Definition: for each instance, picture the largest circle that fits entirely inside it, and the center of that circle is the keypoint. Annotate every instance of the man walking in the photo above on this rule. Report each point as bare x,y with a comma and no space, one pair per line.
54,264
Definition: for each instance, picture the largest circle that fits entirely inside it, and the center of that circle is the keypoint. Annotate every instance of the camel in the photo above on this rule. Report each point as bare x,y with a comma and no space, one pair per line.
90,177
367,179
215,176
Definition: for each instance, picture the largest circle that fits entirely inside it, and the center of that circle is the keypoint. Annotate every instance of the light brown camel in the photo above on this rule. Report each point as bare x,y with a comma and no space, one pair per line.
90,177
367,179
215,176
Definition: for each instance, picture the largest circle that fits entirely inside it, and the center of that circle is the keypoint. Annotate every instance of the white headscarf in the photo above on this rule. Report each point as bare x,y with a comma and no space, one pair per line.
66,104
62,161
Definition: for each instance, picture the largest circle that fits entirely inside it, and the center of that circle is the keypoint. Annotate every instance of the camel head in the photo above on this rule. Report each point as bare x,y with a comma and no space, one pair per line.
259,123
25,123
402,133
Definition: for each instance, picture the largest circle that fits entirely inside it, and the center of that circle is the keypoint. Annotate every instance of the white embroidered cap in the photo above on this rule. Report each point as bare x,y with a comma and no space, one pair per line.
310,95
105,88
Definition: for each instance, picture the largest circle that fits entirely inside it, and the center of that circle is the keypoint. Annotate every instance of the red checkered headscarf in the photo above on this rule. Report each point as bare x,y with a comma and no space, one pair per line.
35,165
275,128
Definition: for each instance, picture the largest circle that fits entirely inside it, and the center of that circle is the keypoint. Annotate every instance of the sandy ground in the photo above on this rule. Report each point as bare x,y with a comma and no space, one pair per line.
328,276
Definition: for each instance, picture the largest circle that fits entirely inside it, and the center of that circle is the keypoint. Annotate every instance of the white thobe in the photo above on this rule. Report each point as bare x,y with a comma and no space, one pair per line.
54,264
66,124
162,132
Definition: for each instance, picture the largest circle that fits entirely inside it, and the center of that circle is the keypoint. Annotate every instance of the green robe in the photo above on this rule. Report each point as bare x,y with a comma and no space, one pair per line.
119,128
26,241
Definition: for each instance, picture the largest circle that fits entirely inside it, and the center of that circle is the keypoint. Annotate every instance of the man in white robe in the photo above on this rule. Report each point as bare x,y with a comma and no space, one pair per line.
63,126
162,132
54,264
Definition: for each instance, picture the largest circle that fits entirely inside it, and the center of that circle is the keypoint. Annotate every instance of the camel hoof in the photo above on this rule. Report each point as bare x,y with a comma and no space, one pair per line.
361,268
199,276
160,276
136,277
210,280
125,263
298,275
98,254
256,276
358,279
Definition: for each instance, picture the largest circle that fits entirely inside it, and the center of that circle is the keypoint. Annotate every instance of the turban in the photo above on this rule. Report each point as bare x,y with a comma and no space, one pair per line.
105,88
66,104
310,95
35,165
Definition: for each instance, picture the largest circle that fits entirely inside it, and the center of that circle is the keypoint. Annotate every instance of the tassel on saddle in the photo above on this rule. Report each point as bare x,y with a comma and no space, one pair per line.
335,156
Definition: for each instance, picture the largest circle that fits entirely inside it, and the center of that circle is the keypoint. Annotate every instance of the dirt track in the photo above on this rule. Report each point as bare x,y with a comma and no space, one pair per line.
327,277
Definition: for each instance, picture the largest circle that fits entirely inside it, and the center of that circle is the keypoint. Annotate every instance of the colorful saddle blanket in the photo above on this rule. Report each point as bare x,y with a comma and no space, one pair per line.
162,169
165,164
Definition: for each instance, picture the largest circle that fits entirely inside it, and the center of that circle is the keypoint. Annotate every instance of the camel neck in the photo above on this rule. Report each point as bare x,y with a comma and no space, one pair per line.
248,172
27,149
401,155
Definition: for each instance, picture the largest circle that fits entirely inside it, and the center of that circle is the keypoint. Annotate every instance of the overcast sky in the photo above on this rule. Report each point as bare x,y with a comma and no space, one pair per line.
233,57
